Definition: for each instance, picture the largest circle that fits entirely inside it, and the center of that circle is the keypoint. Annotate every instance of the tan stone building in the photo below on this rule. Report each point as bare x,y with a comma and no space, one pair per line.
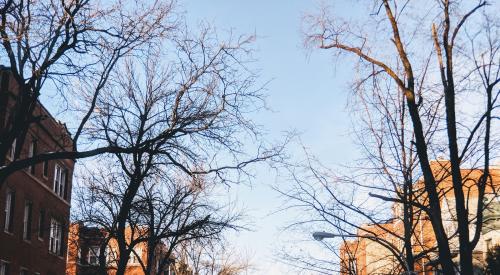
364,255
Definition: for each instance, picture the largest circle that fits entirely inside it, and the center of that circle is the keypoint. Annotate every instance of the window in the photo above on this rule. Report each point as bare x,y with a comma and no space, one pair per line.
12,151
170,270
78,256
133,256
93,256
111,255
46,169
59,180
4,268
32,153
65,183
28,207
23,271
9,211
41,224
55,240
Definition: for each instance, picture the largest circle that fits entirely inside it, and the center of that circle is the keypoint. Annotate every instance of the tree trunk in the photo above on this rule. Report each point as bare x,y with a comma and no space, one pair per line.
460,204
430,187
121,238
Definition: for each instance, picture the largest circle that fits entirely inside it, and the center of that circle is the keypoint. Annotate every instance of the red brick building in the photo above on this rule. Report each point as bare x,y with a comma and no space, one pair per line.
34,202
84,248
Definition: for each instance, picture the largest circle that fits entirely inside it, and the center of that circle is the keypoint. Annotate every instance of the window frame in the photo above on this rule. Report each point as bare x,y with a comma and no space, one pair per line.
31,153
41,224
12,151
135,256
10,203
57,174
111,255
60,176
65,184
93,253
4,267
55,237
45,169
27,220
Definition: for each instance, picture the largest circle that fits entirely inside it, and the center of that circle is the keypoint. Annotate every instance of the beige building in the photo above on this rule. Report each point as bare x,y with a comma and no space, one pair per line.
365,255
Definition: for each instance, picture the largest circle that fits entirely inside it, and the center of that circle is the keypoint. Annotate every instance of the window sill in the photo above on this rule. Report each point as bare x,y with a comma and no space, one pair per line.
8,233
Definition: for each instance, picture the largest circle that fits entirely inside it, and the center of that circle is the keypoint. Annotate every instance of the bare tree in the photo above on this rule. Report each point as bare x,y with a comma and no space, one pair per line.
58,44
186,117
456,31
164,214
209,257
374,201
355,202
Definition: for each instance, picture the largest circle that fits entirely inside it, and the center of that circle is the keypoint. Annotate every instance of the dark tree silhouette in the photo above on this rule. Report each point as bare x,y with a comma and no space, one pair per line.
430,58
68,50
183,119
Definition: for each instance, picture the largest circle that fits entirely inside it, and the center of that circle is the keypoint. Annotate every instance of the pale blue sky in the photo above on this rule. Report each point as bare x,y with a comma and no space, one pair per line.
307,93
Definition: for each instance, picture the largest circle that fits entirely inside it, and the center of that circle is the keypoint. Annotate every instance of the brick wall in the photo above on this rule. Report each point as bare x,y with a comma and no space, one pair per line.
36,187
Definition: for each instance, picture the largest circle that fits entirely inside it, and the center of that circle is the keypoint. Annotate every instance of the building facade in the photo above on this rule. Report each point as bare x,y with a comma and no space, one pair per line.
365,255
84,250
34,202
